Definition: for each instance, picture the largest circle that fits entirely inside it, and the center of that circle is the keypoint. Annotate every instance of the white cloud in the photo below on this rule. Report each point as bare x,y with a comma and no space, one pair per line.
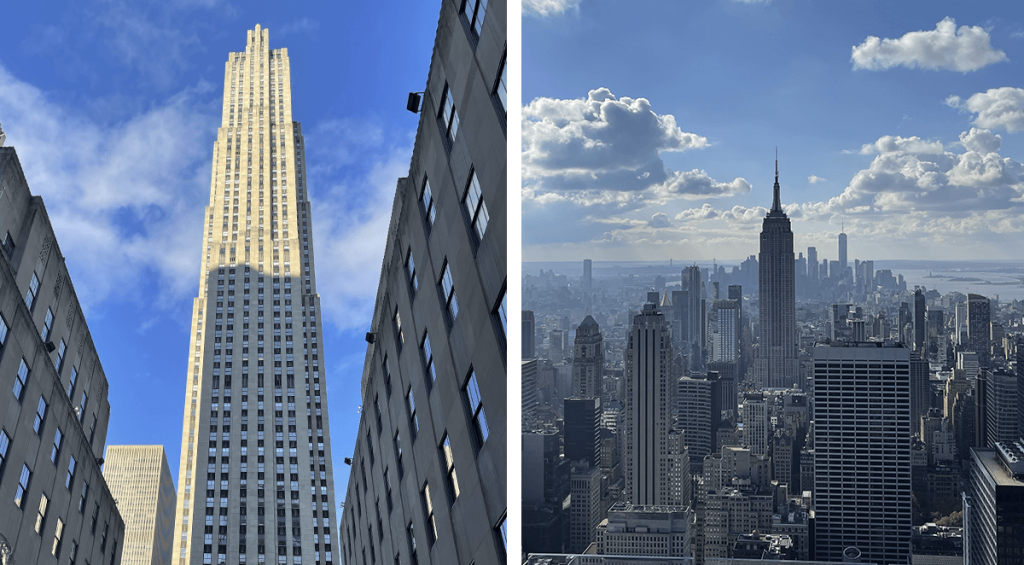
301,25
594,149
659,220
897,144
549,8
995,108
944,48
815,179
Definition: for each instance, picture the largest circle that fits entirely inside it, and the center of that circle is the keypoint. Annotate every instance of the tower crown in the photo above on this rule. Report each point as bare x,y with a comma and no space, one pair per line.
776,200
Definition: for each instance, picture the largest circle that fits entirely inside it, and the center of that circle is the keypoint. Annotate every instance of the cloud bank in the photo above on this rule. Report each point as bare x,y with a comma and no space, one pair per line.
944,48
996,108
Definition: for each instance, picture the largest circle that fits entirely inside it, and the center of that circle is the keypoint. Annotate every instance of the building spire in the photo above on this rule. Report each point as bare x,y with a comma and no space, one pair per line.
776,201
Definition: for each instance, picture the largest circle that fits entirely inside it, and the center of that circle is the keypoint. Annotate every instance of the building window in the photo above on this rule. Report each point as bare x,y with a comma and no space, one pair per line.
501,84
3,330
473,200
448,292
41,514
71,473
19,381
73,552
81,408
474,11
58,439
410,269
412,543
448,461
428,509
85,497
387,490
9,244
502,530
57,533
399,336
37,425
92,429
74,379
427,198
387,375
428,358
5,444
61,350
19,495
502,312
47,325
476,408
398,453
33,290
414,423
378,414
449,117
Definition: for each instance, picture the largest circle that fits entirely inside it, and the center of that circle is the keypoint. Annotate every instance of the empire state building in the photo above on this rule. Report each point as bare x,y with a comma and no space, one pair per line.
255,483
776,363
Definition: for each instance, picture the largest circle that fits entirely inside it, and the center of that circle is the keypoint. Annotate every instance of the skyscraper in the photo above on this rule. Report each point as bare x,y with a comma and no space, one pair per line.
994,505
842,253
528,339
140,481
777,364
920,330
588,360
55,413
862,421
257,250
695,330
588,275
979,327
429,465
649,408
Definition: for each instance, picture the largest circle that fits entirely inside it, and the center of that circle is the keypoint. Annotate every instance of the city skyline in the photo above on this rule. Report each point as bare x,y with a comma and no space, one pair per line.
899,123
114,108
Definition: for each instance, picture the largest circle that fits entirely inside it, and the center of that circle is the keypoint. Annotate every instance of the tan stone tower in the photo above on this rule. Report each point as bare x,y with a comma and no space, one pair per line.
140,482
255,483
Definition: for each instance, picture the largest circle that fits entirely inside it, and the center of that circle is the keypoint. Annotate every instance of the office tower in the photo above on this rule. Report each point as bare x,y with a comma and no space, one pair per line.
697,401
649,406
978,327
557,344
1020,384
588,276
842,323
869,511
920,390
755,423
140,481
1001,409
994,505
736,293
677,318
960,333
725,330
639,530
693,284
438,366
842,253
529,326
584,505
588,360
905,325
263,255
920,331
546,485
55,413
582,420
812,263
777,364
530,392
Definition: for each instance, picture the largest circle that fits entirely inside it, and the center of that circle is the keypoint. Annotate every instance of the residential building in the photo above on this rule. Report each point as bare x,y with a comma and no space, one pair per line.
55,506
432,436
140,482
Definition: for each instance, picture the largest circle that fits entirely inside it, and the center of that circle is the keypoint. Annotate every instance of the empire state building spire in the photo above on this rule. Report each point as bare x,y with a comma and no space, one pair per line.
776,200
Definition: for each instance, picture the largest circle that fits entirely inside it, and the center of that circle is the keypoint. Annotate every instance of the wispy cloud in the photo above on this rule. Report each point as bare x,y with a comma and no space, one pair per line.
549,8
815,179
301,26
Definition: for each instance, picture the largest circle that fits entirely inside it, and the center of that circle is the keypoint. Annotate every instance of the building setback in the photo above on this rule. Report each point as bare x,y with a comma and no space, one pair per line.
141,483
429,474
862,442
55,506
274,502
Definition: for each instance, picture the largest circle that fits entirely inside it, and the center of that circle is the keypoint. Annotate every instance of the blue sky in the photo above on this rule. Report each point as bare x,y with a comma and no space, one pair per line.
650,127
114,106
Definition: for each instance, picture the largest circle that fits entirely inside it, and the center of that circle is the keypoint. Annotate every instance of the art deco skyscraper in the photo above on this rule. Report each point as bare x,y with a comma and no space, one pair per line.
588,360
141,483
776,364
254,374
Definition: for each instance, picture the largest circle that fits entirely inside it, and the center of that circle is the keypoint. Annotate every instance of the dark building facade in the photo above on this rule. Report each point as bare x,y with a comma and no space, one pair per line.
429,468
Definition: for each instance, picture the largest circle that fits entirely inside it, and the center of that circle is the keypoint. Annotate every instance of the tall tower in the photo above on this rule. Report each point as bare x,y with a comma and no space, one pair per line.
842,253
257,290
588,360
777,364
694,328
649,407
979,327
140,481
869,511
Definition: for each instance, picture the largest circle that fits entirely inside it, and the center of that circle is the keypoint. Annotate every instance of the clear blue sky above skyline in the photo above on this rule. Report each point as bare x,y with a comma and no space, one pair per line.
650,128
113,107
